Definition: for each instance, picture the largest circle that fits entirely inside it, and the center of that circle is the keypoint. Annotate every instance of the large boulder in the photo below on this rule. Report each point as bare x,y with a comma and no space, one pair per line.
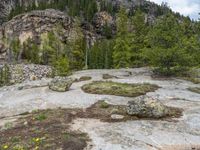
147,107
60,84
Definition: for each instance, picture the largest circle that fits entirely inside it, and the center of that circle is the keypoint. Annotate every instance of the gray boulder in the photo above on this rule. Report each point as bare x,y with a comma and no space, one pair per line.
61,84
147,107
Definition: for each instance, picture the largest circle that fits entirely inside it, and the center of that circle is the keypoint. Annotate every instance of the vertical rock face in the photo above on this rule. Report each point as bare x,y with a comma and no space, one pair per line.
7,5
33,24
36,22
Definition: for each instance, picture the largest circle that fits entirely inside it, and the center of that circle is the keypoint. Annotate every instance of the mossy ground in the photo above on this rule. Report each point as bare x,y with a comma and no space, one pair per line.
83,78
44,129
195,90
193,80
50,129
118,89
108,76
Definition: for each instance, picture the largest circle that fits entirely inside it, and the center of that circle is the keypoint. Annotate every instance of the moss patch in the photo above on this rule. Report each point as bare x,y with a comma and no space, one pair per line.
118,89
107,76
83,78
193,80
195,90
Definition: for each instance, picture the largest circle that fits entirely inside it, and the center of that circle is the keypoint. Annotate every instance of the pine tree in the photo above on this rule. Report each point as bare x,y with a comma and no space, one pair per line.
78,46
122,50
166,47
61,66
138,36
15,47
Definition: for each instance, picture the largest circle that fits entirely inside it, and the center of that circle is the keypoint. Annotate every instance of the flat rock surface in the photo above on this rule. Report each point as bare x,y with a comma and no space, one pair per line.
181,133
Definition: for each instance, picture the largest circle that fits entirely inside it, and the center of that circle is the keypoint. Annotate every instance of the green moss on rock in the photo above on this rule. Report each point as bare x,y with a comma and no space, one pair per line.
118,89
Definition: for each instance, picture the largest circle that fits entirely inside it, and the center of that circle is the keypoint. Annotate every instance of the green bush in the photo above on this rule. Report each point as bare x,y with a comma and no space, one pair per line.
169,61
4,75
61,67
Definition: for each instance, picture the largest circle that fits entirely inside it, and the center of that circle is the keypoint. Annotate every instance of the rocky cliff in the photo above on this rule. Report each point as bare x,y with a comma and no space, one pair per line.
6,6
33,24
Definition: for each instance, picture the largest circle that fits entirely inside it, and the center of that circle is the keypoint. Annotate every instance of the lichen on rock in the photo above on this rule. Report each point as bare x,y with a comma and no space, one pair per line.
60,84
147,107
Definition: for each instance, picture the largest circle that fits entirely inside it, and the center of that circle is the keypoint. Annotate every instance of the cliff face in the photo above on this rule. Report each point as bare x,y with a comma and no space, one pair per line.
34,23
7,5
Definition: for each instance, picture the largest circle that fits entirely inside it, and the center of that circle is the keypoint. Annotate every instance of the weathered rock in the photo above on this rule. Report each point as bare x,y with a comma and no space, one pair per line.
60,84
102,20
147,107
34,24
6,6
117,117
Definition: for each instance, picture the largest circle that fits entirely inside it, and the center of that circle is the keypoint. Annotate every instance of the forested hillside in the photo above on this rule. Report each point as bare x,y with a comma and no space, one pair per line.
127,34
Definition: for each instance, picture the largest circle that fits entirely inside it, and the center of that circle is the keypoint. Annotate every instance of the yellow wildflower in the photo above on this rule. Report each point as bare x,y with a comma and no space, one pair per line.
5,147
37,139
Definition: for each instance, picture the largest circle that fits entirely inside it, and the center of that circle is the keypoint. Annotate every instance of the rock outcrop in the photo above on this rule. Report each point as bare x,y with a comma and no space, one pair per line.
33,24
102,20
60,84
6,6
148,107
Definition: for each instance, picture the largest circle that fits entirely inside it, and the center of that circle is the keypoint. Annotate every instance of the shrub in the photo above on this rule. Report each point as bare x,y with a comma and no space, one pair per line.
61,67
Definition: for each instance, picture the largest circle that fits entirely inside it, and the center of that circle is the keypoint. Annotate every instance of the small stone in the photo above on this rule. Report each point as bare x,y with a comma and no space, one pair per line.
114,111
33,78
117,117
25,123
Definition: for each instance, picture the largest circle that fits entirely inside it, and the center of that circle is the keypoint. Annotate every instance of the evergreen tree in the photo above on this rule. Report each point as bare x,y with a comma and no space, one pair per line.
78,46
61,66
138,36
15,47
122,49
31,52
100,55
166,45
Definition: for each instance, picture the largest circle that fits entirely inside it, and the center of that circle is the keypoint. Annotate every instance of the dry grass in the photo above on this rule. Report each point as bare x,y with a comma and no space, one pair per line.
118,89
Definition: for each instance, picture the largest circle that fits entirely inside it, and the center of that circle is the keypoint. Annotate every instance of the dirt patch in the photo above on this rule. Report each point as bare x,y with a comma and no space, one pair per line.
83,78
118,89
49,129
46,129
195,90
108,76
